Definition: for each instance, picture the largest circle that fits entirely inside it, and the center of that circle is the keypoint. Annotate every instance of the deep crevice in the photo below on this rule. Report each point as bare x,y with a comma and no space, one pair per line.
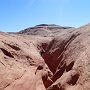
57,55
55,61
53,57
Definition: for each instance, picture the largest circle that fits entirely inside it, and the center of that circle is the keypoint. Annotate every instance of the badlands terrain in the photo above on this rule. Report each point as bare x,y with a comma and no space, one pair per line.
45,57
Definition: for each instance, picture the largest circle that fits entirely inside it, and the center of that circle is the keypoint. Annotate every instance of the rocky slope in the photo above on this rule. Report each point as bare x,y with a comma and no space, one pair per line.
45,57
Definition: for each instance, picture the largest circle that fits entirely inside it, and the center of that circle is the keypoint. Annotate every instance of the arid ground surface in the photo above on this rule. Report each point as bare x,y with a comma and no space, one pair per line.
45,57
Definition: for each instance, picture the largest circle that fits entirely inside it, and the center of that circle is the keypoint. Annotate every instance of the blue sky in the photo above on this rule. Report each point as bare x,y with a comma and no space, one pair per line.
16,15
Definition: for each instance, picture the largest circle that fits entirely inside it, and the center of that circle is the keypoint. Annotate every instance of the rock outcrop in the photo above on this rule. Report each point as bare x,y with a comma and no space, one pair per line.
45,57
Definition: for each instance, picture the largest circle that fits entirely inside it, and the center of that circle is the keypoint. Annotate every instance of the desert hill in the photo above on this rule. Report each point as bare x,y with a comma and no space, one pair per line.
45,57
44,29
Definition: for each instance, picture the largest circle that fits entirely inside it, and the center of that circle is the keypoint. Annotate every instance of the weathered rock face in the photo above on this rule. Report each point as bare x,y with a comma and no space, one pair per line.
57,59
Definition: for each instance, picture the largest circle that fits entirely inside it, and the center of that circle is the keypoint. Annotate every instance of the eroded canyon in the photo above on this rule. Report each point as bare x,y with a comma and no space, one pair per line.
45,57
